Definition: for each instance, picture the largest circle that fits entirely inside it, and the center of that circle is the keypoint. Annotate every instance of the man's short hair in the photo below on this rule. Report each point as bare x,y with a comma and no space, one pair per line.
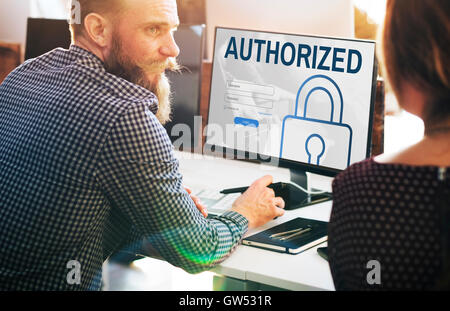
85,8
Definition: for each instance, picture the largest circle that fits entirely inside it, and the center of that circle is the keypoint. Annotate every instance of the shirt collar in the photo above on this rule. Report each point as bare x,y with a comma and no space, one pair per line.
79,50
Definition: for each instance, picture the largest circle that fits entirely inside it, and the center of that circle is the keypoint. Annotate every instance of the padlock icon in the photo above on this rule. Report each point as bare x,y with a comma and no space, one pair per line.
312,139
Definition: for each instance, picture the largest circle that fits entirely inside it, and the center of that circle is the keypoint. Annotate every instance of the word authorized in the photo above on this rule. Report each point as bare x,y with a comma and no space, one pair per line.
290,54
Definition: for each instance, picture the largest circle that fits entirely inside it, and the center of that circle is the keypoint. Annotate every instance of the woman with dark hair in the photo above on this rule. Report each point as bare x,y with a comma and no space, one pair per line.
389,227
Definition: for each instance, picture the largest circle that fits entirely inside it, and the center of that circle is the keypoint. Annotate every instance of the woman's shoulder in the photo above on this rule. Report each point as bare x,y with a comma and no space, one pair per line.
370,171
358,170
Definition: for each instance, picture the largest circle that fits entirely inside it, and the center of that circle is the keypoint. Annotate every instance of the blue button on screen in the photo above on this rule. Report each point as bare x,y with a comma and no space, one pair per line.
246,122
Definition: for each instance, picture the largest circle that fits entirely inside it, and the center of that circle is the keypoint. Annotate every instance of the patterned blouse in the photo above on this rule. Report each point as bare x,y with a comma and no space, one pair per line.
386,228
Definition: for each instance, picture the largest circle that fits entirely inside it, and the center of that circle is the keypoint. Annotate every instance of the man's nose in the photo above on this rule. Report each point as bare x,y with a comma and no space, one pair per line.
170,47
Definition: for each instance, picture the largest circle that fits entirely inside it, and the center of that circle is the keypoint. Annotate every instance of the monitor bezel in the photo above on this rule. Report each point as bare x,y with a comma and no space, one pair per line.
280,162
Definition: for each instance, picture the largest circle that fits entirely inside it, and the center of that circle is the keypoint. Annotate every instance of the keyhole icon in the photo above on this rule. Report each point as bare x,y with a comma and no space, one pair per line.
315,148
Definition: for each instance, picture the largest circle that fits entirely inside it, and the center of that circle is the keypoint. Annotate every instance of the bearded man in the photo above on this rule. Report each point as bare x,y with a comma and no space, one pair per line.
86,168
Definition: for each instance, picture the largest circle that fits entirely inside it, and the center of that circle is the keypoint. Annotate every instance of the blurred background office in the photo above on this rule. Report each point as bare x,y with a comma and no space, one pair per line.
361,17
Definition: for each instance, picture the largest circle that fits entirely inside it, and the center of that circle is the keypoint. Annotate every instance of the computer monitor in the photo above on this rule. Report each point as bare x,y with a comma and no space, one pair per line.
44,35
297,101
325,17
184,129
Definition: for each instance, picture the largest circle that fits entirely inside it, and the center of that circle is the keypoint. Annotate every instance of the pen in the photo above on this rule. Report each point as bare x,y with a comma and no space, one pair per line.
295,234
234,190
284,233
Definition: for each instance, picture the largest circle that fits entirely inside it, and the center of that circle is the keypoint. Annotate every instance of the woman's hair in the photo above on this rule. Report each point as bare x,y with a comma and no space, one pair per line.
415,49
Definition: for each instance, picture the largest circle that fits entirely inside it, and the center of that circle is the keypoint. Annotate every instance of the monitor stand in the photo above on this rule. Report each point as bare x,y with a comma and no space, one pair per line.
296,198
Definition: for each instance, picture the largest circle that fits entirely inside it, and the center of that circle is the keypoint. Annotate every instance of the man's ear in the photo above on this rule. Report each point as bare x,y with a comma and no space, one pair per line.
97,29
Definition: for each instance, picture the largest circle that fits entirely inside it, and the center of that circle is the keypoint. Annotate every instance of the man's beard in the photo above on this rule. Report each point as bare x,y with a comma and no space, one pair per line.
119,64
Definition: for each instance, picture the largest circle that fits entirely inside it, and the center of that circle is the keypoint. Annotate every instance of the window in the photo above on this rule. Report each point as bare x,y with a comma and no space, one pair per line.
57,9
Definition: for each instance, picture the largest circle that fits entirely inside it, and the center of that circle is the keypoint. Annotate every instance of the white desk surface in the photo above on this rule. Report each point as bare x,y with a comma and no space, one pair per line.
304,271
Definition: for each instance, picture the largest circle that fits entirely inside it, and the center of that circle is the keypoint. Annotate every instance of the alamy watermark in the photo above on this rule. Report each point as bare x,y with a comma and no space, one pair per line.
74,275
74,7
231,141
374,275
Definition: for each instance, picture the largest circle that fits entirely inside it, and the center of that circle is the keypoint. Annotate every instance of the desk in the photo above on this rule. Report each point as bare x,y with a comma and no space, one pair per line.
304,271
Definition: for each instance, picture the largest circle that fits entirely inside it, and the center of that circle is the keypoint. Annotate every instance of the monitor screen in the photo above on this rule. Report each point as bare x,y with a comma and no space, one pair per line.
293,99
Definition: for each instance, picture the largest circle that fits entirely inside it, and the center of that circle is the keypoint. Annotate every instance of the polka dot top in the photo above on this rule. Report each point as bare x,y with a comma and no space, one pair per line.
385,230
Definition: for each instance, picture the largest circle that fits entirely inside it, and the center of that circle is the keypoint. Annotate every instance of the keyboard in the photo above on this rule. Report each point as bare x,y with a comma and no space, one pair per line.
216,202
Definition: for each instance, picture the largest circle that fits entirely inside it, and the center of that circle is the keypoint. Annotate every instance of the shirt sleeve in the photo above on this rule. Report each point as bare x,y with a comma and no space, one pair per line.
140,175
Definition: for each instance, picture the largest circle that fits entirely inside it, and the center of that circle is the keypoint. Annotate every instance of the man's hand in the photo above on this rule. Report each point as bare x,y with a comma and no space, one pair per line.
197,202
258,204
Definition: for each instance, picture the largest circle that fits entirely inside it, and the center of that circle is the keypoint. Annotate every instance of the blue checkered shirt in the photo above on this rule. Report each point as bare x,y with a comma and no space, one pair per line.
86,169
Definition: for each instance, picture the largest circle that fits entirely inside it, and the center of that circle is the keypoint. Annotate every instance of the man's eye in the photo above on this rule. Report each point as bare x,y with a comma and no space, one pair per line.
153,30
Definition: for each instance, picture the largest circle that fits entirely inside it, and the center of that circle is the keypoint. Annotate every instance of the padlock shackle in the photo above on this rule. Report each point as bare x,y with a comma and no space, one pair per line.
341,100
319,88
